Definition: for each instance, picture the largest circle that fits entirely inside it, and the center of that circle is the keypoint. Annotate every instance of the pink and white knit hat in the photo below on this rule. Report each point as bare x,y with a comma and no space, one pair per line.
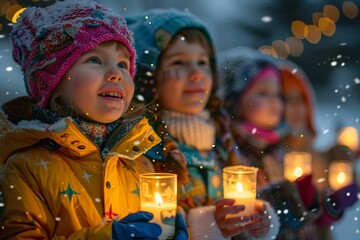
48,41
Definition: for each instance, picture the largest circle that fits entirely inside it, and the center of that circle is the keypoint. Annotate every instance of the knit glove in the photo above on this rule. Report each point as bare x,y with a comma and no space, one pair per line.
136,226
181,232
344,197
335,203
307,191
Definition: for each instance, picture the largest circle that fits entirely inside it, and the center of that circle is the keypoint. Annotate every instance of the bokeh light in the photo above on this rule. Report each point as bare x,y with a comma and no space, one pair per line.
350,9
327,26
298,29
268,50
282,48
316,17
312,34
296,46
331,12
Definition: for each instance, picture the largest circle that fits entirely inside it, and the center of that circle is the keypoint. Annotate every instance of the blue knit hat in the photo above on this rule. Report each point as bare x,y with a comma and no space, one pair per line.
153,30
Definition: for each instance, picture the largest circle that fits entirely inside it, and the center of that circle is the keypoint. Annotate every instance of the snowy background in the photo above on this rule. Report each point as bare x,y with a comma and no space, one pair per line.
332,64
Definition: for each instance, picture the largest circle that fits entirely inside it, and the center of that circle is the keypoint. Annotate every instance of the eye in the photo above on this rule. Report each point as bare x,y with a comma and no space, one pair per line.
123,65
177,62
94,60
203,62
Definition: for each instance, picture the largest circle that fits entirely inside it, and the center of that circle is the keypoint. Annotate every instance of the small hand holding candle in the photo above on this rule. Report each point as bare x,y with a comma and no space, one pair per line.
158,195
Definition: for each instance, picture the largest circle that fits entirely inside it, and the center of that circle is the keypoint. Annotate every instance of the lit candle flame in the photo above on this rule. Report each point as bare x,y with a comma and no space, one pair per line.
341,177
298,172
158,199
239,187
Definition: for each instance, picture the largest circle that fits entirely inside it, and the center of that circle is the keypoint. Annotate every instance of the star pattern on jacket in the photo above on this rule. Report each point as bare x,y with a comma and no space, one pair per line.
110,213
43,163
87,176
69,192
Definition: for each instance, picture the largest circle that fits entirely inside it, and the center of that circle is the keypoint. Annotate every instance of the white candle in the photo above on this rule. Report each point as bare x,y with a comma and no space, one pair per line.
242,197
164,215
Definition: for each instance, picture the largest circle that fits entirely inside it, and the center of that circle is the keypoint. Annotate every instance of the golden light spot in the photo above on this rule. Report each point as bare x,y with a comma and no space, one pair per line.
296,46
298,29
327,26
350,9
331,12
312,34
1,26
316,16
16,15
5,7
268,50
281,48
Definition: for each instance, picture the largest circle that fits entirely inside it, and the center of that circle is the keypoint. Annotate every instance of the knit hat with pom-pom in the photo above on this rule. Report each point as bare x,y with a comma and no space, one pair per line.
48,41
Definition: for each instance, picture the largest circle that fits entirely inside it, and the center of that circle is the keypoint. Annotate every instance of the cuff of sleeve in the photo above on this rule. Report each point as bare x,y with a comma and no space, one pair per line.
202,224
274,223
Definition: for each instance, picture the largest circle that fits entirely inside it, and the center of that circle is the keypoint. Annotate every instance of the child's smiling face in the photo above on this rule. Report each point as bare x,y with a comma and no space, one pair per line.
99,86
184,78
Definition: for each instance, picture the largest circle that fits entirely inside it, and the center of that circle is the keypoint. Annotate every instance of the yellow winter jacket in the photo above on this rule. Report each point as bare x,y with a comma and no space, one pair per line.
56,185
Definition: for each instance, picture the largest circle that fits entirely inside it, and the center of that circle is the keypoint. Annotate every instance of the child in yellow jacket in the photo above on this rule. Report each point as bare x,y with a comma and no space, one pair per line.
72,154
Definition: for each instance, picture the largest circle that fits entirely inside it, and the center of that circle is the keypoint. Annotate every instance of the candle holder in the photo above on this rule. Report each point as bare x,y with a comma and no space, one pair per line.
239,183
158,195
296,164
340,174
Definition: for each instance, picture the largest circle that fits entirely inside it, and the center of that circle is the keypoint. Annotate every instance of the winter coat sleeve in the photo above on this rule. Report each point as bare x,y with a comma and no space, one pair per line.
27,214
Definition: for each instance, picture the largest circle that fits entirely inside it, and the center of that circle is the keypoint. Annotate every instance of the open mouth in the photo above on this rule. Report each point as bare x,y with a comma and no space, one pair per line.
116,95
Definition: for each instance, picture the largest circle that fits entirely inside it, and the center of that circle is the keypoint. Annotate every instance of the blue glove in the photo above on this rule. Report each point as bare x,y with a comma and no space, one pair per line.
181,232
136,226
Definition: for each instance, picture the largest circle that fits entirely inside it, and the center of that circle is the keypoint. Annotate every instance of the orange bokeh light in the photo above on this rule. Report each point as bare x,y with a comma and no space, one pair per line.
316,16
296,46
331,12
350,9
298,29
282,48
312,34
327,26
268,50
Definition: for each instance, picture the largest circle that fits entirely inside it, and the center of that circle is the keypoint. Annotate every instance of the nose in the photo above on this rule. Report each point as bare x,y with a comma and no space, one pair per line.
196,73
113,74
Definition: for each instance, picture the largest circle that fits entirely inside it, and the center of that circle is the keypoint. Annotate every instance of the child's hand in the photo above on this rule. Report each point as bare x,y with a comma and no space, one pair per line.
260,224
136,225
229,226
